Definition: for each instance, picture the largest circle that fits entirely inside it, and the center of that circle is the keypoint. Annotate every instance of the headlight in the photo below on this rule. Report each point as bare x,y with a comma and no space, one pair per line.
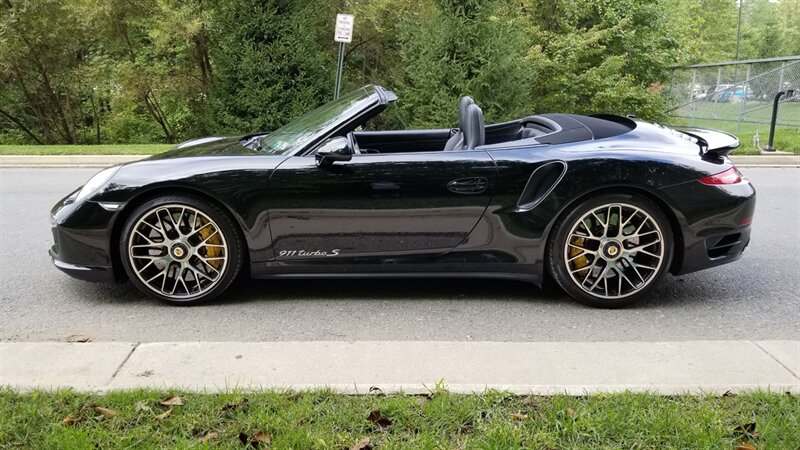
96,182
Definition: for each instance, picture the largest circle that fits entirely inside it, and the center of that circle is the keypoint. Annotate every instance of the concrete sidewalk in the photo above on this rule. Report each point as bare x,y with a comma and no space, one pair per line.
410,366
777,160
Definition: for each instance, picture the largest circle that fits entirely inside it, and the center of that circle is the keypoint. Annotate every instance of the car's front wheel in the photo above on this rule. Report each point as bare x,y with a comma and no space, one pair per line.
180,249
611,250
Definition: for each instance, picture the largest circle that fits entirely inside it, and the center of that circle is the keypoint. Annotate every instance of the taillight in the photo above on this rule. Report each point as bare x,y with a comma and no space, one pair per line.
730,176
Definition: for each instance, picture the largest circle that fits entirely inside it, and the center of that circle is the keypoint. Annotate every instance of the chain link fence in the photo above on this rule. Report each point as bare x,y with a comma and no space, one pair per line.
736,96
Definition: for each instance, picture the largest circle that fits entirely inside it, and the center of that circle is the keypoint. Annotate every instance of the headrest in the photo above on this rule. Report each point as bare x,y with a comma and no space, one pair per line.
474,131
462,109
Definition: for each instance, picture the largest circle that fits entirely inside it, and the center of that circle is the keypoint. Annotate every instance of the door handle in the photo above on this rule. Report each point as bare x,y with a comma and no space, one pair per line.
469,185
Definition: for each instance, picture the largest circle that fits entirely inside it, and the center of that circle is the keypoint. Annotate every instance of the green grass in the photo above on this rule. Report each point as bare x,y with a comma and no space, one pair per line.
127,149
326,420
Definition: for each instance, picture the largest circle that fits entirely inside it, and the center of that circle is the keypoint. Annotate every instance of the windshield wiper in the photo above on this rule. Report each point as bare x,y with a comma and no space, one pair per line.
253,140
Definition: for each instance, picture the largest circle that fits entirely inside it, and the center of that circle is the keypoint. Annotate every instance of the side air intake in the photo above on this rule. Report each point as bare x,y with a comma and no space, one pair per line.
542,181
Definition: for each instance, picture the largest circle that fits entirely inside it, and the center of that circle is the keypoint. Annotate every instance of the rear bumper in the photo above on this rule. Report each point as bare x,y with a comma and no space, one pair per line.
715,224
704,254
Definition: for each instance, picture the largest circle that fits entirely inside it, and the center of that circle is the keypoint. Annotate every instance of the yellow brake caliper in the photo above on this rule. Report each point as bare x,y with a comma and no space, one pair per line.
211,252
581,261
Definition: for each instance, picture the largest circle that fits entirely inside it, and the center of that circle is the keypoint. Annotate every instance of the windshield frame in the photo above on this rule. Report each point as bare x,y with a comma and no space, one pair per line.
376,98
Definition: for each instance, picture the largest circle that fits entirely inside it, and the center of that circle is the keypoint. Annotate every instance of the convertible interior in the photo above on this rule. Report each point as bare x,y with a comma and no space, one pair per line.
540,129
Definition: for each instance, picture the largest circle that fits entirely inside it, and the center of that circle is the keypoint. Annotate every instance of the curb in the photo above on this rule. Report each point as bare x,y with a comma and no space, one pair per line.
55,161
538,368
766,160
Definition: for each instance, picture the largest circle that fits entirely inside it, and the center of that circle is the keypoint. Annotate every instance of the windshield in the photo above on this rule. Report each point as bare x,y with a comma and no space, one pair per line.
302,130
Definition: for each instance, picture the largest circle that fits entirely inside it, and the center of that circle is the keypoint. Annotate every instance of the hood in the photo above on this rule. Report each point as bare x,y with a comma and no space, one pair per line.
210,146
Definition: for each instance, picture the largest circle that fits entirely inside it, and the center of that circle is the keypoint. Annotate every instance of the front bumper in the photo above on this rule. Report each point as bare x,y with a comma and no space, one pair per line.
104,274
82,239
715,223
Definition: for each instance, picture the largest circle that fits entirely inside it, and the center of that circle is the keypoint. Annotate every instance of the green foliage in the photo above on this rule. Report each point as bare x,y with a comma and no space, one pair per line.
460,48
599,56
139,71
271,65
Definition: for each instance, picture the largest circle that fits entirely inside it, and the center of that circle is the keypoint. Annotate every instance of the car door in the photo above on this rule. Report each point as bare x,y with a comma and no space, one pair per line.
378,207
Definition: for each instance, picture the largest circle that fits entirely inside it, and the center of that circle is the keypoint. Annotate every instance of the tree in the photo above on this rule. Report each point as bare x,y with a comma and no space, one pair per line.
453,48
157,53
271,62
598,56
38,94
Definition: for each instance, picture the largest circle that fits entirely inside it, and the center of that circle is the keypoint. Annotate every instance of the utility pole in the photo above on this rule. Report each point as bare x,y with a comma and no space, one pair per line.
738,30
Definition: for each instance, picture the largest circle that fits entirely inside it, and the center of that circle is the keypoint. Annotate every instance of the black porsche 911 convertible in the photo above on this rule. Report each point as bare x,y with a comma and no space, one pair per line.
605,205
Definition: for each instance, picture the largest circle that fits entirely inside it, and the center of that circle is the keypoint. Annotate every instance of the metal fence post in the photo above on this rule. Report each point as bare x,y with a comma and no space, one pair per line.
743,99
671,83
716,88
691,94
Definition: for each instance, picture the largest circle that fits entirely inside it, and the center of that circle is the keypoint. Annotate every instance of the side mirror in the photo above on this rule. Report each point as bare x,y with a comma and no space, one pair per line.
333,150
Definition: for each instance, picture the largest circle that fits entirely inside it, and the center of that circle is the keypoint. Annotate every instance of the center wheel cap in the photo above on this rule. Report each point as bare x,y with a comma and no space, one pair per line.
179,251
611,250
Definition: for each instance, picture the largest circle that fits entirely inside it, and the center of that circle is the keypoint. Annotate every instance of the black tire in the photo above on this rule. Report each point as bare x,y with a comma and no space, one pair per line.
228,236
646,271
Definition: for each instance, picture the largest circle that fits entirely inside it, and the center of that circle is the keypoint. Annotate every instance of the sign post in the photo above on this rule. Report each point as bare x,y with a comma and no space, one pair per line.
343,34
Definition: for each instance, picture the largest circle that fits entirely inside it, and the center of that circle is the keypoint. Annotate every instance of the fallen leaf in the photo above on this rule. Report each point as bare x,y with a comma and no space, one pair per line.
164,415
363,444
746,446
261,438
105,412
78,338
257,441
71,420
141,405
212,436
232,406
571,412
172,401
748,428
518,416
376,390
378,419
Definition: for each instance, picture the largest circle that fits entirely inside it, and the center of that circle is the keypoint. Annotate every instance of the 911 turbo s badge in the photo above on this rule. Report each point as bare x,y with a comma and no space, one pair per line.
293,253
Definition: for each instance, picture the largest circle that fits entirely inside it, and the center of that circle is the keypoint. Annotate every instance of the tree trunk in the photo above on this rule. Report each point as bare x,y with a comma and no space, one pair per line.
21,126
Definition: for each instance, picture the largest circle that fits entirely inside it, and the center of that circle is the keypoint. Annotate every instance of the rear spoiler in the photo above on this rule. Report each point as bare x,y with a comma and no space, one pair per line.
714,144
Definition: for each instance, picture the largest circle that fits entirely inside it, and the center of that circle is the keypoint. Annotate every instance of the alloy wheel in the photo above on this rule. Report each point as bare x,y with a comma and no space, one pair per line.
177,251
614,251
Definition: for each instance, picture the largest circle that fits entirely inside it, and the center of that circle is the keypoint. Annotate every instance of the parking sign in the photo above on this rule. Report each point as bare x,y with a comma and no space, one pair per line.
344,28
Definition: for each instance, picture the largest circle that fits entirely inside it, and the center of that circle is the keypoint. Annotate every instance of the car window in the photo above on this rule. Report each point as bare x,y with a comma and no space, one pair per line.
304,129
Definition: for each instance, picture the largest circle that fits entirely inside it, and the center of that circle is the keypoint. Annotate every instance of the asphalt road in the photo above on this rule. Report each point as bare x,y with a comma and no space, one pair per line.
757,297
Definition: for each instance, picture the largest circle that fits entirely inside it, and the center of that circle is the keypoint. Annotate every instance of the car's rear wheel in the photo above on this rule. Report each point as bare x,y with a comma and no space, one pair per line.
180,249
611,250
